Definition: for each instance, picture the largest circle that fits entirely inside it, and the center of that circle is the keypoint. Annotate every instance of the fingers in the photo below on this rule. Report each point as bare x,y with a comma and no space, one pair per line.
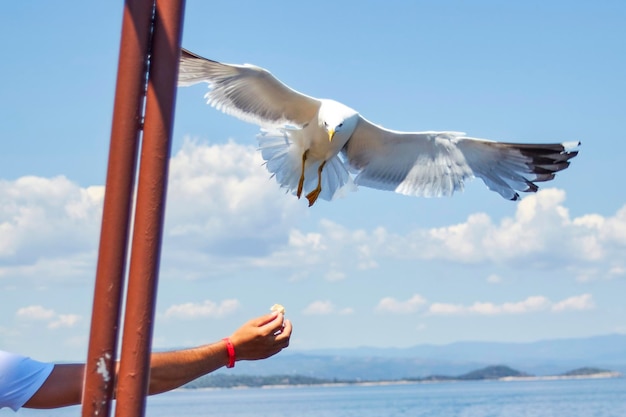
271,323
277,331
287,328
280,339
265,319
285,334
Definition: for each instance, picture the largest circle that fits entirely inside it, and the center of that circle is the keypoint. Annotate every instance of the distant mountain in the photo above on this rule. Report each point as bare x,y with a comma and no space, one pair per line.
585,371
547,357
493,372
610,347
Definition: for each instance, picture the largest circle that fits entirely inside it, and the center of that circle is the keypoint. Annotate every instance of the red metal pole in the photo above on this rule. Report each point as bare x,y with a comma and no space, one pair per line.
134,369
129,96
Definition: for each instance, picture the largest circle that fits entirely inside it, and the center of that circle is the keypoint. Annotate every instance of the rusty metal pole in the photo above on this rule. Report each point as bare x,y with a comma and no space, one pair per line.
134,371
126,125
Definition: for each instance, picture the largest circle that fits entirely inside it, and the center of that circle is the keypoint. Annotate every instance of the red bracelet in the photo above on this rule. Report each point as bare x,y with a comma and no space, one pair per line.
231,352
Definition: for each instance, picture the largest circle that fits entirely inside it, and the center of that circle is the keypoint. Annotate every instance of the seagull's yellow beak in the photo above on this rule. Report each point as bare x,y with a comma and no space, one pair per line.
331,133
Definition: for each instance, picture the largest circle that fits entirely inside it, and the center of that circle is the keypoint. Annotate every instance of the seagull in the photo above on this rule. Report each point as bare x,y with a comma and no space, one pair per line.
317,146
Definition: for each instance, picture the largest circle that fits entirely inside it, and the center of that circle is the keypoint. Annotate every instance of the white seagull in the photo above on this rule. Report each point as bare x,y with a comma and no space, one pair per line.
315,145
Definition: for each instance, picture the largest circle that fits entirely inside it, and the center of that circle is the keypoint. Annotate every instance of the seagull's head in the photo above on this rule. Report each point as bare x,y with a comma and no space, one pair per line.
337,119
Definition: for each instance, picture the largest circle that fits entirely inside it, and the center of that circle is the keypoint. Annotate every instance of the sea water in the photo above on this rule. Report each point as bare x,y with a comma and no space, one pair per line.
553,398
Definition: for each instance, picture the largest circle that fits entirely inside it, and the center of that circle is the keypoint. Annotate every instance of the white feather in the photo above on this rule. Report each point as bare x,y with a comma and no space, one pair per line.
283,159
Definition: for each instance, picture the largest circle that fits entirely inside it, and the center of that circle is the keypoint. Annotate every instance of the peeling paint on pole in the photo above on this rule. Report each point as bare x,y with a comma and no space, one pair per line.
103,368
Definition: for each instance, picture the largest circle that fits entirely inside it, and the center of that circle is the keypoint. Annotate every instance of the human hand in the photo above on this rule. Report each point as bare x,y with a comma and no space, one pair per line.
261,337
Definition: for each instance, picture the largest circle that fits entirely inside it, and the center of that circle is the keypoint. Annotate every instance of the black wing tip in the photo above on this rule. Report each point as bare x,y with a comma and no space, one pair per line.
187,54
545,161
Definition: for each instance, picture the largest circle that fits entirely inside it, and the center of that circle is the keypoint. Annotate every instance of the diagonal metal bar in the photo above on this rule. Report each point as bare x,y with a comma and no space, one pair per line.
134,369
109,283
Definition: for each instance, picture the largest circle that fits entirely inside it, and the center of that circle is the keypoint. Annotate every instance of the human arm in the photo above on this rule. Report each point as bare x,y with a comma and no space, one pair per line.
63,387
259,338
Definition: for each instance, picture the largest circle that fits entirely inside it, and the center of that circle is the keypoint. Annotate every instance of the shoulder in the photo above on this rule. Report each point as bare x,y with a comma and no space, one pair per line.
20,378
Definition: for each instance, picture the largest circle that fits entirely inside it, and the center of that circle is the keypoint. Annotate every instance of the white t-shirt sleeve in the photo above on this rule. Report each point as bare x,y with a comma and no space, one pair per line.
20,378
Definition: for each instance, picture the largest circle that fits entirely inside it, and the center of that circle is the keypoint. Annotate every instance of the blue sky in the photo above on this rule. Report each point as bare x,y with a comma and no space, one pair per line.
373,268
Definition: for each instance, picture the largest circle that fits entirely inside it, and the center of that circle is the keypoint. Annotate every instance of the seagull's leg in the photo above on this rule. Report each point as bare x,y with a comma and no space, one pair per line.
301,182
312,196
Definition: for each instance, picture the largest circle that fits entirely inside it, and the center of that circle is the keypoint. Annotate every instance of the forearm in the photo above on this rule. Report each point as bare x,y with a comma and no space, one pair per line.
169,370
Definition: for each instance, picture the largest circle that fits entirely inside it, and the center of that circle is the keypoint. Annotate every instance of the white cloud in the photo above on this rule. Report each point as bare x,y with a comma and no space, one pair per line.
391,305
617,271
221,203
35,313
529,305
71,267
446,309
598,271
542,234
334,275
319,308
417,302
223,197
332,246
64,320
49,221
576,303
46,215
346,311
484,308
54,319
204,309
494,279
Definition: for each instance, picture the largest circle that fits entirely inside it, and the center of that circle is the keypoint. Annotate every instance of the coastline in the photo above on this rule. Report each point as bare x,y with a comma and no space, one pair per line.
599,375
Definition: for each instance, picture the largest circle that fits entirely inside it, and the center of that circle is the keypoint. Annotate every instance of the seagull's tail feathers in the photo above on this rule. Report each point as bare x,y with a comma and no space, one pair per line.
192,68
283,159
510,167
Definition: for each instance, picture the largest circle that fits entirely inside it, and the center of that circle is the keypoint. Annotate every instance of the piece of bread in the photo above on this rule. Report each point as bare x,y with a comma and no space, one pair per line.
278,308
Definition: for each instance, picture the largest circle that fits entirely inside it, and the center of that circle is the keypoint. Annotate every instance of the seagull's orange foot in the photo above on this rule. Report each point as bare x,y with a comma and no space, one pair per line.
301,182
300,185
313,195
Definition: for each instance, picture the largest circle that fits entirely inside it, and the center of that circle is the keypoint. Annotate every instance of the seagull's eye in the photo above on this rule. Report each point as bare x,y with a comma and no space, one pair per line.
325,124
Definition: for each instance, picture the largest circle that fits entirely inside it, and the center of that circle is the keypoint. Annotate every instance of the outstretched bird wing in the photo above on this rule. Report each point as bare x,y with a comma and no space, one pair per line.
434,164
248,92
